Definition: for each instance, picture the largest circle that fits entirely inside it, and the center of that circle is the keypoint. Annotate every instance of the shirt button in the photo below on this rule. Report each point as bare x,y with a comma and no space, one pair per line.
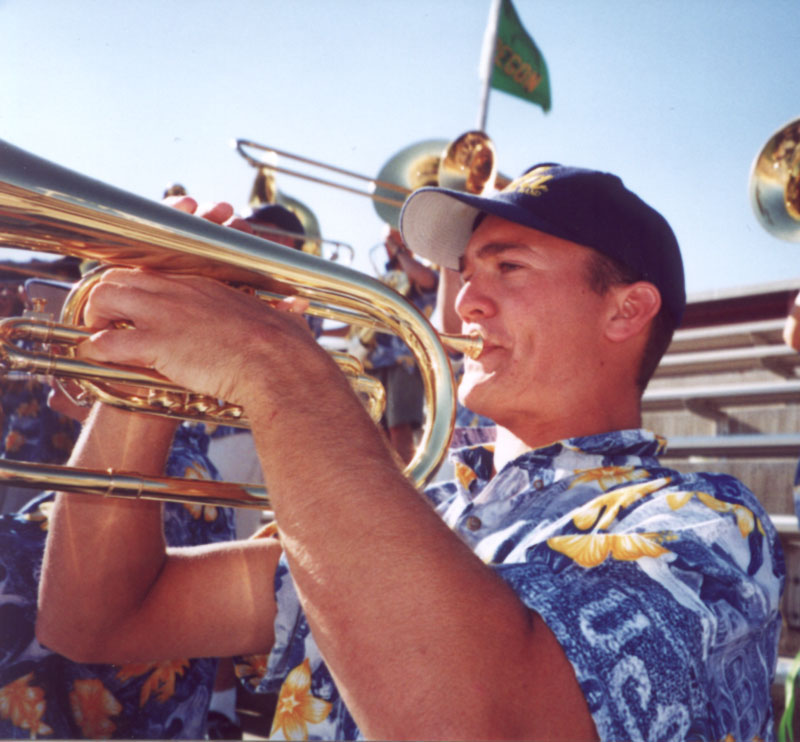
473,523
538,484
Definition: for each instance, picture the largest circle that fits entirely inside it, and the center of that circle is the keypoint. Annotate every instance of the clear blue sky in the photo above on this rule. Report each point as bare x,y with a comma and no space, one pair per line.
676,96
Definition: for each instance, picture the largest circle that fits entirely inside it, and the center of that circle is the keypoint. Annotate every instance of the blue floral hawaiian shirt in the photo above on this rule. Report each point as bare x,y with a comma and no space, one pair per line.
31,431
662,588
43,694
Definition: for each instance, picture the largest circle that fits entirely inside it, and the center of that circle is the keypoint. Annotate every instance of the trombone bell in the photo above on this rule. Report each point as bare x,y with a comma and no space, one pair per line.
469,164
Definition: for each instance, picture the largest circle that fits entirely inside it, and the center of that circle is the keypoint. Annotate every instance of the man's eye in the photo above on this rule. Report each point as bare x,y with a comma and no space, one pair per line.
506,267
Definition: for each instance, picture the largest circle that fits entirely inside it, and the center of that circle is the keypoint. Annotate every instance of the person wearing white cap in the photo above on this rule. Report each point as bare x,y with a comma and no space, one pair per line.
565,586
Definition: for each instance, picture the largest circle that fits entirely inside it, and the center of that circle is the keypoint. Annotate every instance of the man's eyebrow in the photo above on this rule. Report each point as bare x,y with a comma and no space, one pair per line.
491,249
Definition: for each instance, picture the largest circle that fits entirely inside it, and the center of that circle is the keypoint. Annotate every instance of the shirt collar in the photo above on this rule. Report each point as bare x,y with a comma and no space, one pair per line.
474,464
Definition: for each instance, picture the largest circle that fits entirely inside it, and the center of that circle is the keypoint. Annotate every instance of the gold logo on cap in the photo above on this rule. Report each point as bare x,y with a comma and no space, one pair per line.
532,183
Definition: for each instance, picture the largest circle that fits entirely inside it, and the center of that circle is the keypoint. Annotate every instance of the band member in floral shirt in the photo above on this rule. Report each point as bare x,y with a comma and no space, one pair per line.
44,694
566,586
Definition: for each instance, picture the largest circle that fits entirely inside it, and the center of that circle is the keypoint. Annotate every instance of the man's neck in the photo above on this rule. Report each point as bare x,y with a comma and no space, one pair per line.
509,445
605,410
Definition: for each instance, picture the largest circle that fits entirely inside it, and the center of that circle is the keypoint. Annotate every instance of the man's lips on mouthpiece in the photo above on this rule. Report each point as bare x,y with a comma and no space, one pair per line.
489,345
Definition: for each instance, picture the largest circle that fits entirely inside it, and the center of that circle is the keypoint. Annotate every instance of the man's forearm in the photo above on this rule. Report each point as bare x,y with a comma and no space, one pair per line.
103,554
420,274
374,565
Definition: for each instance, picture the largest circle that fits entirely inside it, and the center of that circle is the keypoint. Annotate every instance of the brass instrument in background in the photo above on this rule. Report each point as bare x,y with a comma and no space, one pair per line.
775,183
265,191
468,163
44,207
414,166
313,245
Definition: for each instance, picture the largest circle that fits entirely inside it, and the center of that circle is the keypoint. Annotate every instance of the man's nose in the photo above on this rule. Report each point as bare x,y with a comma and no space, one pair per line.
474,300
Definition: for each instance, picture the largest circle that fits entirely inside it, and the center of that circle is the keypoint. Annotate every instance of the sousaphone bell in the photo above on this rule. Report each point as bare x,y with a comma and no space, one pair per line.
775,183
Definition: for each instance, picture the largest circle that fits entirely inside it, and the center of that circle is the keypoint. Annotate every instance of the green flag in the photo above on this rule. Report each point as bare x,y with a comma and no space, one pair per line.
519,67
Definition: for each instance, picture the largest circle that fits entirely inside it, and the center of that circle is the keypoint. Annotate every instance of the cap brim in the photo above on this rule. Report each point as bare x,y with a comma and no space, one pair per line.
436,223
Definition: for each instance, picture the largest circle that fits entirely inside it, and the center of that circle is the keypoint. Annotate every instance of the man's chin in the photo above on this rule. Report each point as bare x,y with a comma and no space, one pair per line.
475,395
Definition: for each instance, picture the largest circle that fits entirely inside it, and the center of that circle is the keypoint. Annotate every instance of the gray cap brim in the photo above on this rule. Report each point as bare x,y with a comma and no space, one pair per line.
437,224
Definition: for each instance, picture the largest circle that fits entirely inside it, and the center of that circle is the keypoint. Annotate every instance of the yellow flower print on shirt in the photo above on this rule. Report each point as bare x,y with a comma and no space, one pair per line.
207,512
591,549
602,511
296,706
23,705
92,707
745,518
41,515
677,500
252,668
608,476
464,475
14,441
161,680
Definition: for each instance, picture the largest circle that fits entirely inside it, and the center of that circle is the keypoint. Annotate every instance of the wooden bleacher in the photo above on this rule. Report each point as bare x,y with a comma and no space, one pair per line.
727,397
727,393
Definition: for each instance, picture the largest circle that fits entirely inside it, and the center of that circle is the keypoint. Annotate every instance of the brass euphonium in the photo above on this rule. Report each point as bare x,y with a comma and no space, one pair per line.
44,207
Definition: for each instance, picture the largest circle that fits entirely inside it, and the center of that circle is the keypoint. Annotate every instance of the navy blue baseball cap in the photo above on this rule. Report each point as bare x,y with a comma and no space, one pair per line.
588,207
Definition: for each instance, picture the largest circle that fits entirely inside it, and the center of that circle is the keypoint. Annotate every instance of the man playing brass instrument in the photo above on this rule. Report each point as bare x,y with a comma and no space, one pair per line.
566,586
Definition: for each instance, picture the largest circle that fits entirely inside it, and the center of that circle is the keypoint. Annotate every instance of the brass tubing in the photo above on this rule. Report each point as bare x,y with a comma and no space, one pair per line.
21,359
45,207
469,345
96,375
131,485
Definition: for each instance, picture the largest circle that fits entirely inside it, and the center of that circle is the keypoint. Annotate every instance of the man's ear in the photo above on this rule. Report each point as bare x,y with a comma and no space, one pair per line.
634,305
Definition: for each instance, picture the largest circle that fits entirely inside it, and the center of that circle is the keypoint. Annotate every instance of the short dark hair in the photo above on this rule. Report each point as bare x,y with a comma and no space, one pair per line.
279,216
603,273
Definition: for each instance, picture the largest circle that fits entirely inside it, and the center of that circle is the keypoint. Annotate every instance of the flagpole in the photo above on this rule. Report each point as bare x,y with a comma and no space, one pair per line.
487,62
